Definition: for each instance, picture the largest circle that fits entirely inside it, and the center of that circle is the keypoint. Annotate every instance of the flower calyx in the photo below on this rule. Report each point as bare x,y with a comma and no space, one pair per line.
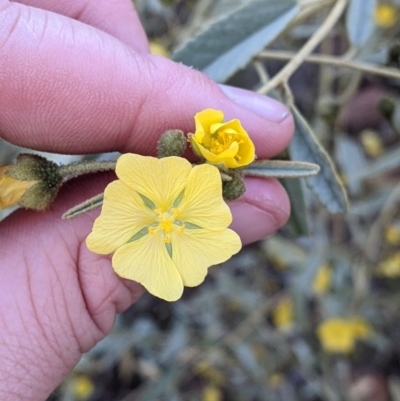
234,188
171,143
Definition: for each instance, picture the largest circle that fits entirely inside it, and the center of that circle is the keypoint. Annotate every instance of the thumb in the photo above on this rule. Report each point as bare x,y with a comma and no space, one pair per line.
67,87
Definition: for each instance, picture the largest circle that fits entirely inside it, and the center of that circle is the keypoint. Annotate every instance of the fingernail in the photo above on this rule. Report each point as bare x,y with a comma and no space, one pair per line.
259,104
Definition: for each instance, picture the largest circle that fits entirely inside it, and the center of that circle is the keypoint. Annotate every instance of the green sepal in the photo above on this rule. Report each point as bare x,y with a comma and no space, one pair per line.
235,188
172,143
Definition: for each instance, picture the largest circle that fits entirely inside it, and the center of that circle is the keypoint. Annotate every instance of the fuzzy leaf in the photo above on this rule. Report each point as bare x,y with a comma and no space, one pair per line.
326,184
360,22
298,221
281,169
229,43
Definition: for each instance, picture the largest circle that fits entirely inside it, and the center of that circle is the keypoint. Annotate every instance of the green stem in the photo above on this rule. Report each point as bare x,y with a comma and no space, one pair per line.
77,169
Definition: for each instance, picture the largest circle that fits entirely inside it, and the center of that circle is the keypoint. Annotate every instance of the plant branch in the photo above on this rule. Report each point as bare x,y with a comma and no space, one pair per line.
308,47
333,61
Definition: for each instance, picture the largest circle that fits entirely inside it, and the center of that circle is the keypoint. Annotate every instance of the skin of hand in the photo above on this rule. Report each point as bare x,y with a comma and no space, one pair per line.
76,77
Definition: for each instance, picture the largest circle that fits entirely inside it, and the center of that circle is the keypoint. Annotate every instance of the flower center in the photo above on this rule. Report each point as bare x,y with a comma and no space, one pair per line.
221,141
167,222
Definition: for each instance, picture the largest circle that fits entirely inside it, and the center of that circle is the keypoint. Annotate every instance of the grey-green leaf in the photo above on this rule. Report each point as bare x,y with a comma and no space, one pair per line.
229,43
360,22
281,169
297,224
326,185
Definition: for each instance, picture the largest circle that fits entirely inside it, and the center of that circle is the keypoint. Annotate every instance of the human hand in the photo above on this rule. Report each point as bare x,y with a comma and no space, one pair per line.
79,80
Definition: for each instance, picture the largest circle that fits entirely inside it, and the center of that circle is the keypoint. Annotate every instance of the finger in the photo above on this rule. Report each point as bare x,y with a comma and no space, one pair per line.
83,91
116,17
262,210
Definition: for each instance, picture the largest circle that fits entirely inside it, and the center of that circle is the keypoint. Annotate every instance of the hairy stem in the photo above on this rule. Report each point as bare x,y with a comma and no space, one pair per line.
77,169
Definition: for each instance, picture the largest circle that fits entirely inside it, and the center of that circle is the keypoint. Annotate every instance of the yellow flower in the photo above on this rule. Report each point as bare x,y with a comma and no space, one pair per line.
392,234
11,190
385,15
82,387
361,328
167,223
322,279
340,335
158,49
221,142
390,267
372,143
282,315
276,380
211,393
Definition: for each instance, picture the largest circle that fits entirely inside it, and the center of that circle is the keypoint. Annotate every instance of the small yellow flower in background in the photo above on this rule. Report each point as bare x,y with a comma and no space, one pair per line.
211,393
322,280
166,221
11,190
276,380
221,142
392,234
385,15
390,267
371,143
82,387
339,335
283,314
158,49
210,373
361,328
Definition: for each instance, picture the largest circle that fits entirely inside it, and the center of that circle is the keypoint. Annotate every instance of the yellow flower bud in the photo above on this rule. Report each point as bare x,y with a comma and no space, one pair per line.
11,190
221,142
33,181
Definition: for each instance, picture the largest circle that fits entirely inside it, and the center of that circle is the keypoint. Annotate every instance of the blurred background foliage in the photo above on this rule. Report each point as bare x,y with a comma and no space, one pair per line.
312,313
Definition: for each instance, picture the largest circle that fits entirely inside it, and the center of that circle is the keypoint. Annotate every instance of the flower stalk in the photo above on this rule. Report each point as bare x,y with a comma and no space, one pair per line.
76,169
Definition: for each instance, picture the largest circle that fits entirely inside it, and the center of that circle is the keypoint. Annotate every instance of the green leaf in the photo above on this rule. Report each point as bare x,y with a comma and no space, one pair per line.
229,43
360,21
281,169
326,184
297,224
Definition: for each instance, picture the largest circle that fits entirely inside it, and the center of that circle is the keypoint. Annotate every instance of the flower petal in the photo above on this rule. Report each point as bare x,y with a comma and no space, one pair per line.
204,119
11,190
236,126
193,251
122,216
160,180
226,157
147,261
202,203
